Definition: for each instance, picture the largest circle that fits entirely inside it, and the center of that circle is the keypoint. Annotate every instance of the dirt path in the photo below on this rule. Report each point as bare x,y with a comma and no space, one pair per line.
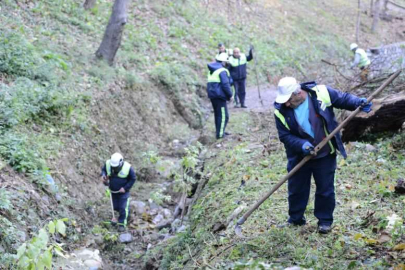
253,102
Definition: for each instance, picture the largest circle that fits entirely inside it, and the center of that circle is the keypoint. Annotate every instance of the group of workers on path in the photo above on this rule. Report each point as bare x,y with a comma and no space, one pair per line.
230,70
304,117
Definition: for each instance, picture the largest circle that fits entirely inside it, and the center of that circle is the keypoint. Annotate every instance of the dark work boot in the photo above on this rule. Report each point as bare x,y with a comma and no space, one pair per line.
324,229
121,228
243,106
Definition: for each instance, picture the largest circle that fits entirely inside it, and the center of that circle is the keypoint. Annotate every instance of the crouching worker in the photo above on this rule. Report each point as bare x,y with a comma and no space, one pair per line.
119,176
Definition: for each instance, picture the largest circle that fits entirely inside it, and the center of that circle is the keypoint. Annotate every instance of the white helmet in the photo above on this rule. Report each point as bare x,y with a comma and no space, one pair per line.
116,160
222,57
286,86
353,46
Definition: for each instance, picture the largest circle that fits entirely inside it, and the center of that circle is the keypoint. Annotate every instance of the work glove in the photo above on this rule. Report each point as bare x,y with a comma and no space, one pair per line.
365,107
307,148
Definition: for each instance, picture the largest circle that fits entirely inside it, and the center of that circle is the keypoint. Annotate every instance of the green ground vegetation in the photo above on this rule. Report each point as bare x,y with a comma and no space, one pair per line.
53,93
47,47
361,237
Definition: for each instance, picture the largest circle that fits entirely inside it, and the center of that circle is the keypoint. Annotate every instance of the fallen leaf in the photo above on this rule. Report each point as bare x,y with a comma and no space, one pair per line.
394,255
400,266
342,162
354,205
384,237
146,217
399,247
347,186
371,241
357,236
246,177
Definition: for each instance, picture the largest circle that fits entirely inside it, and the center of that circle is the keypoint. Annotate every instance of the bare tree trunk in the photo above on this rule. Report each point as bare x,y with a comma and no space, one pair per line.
229,10
385,8
376,15
358,21
371,8
89,4
113,33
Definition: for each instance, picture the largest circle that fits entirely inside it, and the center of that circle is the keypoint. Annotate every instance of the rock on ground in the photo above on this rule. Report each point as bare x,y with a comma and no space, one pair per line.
126,238
139,207
82,259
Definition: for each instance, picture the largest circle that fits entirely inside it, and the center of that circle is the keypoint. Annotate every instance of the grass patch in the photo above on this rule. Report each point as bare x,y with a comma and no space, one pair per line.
365,204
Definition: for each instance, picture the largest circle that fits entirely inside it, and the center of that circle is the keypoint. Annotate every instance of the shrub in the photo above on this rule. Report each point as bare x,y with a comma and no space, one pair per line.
24,156
19,58
38,252
5,203
28,101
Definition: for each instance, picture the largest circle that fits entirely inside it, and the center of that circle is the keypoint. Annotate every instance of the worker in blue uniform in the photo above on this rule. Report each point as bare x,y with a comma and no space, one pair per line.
304,117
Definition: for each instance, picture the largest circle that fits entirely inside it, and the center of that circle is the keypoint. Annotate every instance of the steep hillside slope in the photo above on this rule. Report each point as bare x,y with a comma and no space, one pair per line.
368,219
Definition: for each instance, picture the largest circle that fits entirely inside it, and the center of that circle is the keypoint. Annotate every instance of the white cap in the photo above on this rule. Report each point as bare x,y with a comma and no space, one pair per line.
116,160
353,46
286,86
222,57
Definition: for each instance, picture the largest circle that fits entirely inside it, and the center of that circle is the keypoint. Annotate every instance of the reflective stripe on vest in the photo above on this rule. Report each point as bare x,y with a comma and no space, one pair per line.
124,170
364,61
281,118
238,61
214,77
332,149
322,94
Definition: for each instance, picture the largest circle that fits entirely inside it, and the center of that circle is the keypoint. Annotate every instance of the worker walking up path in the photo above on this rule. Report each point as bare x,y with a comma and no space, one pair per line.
219,92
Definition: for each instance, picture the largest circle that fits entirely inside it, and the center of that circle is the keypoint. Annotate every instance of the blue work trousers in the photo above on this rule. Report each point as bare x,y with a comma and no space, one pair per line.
240,91
221,116
323,170
121,205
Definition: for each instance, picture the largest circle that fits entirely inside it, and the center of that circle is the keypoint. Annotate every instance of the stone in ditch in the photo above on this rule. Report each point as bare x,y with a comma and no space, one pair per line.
58,197
93,264
159,218
181,228
126,238
139,207
153,205
164,224
370,148
166,213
